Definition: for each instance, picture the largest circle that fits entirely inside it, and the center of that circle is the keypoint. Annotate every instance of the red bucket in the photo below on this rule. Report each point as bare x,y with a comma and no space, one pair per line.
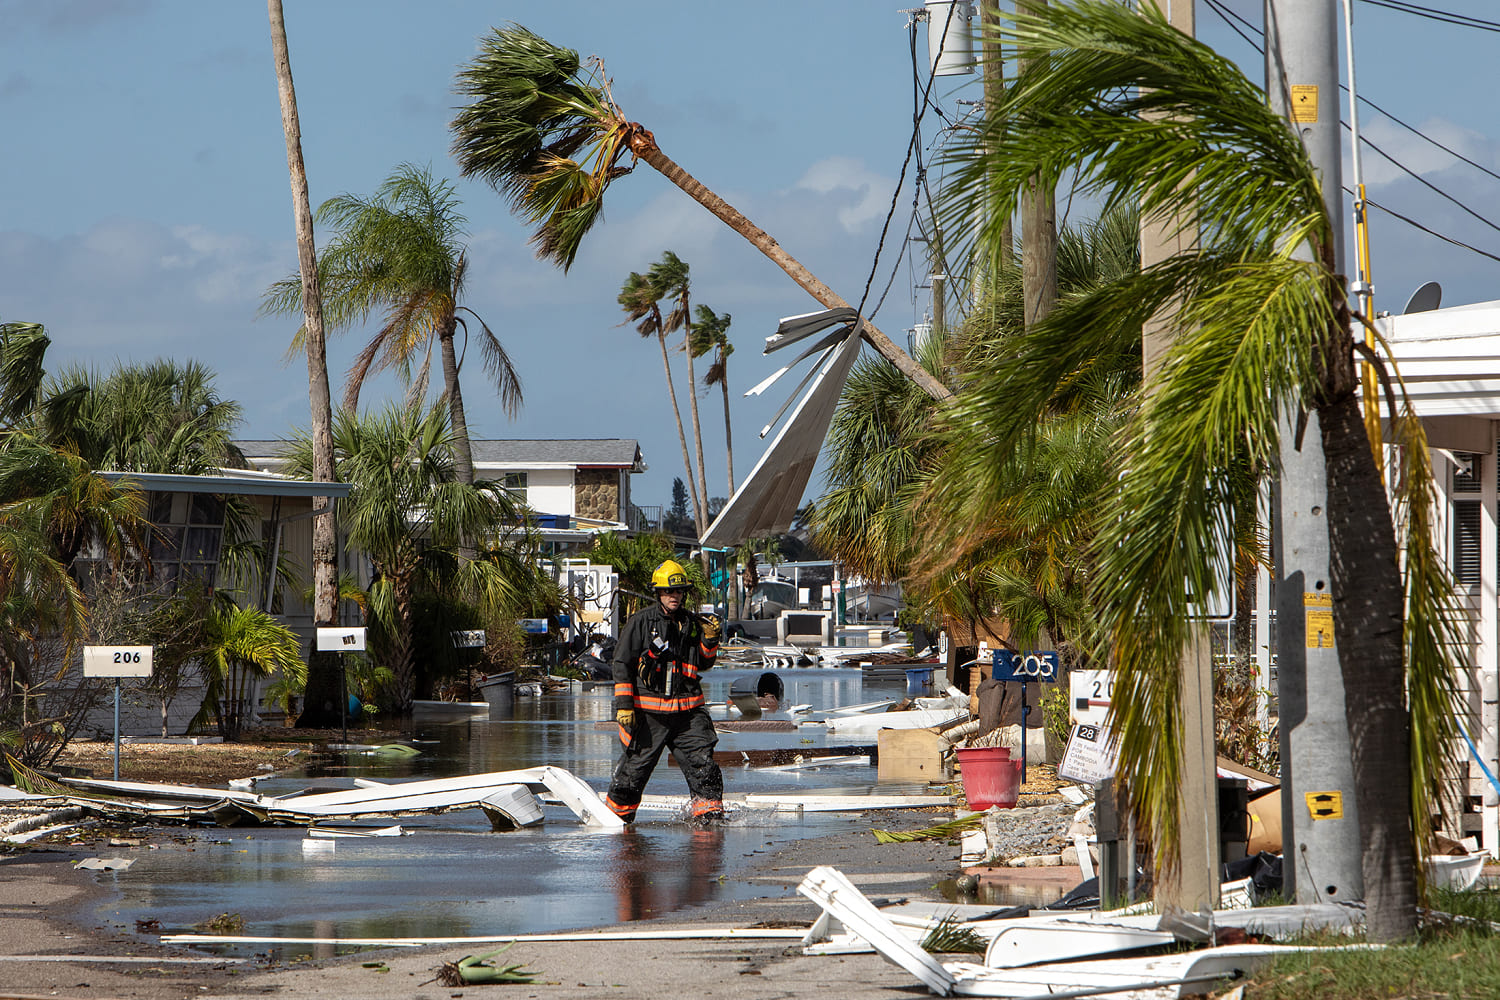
990,777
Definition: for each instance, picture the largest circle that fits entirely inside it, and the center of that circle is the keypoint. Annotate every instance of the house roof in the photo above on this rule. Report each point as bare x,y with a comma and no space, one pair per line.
232,481
622,453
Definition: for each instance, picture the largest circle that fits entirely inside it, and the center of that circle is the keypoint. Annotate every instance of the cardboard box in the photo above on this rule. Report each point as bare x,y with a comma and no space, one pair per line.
1265,822
909,755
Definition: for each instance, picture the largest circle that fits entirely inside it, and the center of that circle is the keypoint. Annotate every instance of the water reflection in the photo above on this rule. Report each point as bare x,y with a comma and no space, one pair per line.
454,877
652,876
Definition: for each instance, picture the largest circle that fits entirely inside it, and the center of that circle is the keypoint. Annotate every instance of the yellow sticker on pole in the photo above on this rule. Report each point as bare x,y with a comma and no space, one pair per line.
1318,610
1304,102
1325,805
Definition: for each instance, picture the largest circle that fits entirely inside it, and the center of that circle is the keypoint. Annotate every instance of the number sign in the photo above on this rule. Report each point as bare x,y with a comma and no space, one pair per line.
1027,668
117,661
1090,756
1090,697
344,639
468,638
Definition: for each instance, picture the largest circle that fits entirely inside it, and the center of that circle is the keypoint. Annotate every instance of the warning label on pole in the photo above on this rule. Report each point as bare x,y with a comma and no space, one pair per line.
1304,102
1318,610
1325,805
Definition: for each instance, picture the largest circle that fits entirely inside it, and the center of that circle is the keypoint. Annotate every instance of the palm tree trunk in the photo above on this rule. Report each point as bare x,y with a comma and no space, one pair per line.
687,460
687,346
463,454
643,145
1367,623
321,701
728,437
402,664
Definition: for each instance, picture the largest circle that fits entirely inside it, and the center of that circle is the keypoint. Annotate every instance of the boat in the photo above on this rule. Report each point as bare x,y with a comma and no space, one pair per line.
772,596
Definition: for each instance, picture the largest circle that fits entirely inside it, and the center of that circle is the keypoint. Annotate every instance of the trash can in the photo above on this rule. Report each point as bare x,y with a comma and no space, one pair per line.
990,777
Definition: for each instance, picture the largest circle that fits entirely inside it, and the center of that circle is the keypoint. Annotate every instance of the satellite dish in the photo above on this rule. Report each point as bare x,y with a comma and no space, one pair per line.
1424,299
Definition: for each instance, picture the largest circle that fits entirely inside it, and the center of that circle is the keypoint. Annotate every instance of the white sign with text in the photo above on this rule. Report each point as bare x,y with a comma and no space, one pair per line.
1090,756
117,661
343,639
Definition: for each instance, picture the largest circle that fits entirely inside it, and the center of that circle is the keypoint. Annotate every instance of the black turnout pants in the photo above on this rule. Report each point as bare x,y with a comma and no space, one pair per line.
690,736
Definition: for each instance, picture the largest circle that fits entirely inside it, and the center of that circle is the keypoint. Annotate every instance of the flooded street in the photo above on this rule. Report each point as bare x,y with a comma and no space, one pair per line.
453,877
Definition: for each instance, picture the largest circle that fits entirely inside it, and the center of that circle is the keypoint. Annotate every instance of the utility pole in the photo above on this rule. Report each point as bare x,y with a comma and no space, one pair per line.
1319,818
1195,885
992,65
1038,231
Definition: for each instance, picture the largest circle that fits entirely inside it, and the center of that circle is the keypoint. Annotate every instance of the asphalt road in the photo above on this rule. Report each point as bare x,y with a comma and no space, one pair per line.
48,909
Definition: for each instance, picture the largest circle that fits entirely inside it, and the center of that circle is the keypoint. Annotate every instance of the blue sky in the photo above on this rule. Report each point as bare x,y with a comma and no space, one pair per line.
146,206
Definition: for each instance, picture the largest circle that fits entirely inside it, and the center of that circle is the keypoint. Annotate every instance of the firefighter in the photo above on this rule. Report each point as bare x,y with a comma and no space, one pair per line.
659,700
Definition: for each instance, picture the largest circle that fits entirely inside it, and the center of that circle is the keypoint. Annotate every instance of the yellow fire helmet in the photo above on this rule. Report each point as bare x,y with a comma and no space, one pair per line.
669,575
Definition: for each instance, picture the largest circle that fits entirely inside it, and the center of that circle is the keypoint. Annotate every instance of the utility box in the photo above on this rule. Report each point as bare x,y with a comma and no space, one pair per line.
908,755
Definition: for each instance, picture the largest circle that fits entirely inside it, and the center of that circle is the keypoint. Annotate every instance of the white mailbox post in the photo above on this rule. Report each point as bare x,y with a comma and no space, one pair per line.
117,662
342,639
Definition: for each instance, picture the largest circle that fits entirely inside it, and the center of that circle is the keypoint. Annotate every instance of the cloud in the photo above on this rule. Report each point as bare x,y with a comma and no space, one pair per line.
15,85
861,194
1417,154
67,17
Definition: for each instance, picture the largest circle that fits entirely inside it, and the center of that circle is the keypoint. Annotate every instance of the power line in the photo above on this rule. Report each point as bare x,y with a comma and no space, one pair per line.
1225,15
1430,232
1432,14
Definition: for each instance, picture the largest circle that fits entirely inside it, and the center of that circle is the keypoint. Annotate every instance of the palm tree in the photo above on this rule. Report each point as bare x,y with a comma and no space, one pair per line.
408,512
241,646
534,107
1149,116
640,296
710,332
162,416
323,680
671,275
402,251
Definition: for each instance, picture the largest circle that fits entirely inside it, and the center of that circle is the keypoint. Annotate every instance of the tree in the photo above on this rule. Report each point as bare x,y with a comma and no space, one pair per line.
162,416
241,646
402,251
408,512
672,276
533,107
640,296
677,521
710,332
323,697
1146,115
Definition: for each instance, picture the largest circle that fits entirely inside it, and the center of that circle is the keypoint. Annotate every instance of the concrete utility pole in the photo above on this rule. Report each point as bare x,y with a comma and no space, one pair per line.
1038,232
1196,883
1319,820
992,65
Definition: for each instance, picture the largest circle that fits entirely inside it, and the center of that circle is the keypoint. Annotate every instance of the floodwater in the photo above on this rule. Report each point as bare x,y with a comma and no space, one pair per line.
454,877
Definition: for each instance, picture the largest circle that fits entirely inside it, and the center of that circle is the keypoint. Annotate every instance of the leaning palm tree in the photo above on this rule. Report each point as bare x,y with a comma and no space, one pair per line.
409,512
1149,116
710,332
403,251
640,296
544,130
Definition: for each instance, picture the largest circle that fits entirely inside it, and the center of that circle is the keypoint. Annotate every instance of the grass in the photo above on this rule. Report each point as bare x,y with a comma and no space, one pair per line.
1455,957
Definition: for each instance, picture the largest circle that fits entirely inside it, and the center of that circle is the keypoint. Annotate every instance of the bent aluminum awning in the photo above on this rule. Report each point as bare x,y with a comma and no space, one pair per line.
769,497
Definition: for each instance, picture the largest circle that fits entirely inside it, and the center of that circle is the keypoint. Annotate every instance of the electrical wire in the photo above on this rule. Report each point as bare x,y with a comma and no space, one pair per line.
1432,14
1225,15
912,148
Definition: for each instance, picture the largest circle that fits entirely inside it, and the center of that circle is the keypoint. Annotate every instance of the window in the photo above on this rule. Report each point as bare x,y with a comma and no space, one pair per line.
515,484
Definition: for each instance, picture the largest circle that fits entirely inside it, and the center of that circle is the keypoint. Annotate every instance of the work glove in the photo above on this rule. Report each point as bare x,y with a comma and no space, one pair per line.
712,626
626,718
